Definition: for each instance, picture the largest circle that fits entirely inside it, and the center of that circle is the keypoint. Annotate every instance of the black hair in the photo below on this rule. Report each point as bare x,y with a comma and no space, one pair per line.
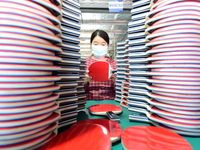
100,33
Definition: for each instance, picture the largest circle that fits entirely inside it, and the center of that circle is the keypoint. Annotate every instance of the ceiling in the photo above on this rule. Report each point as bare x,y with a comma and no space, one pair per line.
95,15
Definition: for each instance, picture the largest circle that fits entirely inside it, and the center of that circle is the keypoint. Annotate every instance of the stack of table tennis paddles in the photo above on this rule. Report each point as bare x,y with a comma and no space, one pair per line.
36,70
165,77
70,64
122,78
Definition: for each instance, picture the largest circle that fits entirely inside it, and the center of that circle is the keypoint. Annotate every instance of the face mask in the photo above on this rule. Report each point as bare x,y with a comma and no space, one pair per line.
99,51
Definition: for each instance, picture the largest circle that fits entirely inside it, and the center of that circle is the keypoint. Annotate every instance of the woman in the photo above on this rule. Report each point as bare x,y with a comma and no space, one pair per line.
100,90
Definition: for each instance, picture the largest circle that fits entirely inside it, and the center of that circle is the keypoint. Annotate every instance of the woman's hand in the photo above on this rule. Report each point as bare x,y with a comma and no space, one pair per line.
87,79
115,75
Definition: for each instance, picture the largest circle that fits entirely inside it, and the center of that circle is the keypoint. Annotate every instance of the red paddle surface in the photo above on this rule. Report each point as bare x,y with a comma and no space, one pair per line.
99,71
152,138
113,127
101,109
81,137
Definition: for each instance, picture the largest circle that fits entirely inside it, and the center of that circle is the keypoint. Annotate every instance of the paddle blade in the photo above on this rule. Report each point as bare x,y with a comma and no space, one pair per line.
101,109
81,137
99,71
152,138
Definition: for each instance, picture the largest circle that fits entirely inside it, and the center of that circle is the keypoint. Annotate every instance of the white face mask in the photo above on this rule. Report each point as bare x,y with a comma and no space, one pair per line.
99,51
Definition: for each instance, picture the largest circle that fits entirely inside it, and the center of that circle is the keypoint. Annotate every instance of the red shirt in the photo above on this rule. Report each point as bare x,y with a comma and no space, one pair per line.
105,90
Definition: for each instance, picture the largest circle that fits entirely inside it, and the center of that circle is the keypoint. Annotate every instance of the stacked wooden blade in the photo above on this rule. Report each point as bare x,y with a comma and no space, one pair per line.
80,88
122,78
137,48
70,28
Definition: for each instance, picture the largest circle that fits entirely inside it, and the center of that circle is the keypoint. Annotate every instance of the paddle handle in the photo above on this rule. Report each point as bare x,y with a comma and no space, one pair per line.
139,91
140,110
139,60
112,116
139,117
138,103
138,97
136,84
138,79
142,118
113,71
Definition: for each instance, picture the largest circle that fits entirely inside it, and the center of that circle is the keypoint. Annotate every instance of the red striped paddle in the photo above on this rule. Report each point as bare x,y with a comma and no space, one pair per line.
106,110
152,138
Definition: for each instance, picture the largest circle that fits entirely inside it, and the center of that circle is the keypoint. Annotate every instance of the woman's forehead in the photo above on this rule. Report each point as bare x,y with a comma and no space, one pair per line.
99,39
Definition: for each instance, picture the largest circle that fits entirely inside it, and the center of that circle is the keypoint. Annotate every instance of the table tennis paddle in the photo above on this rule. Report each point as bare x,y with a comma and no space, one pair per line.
99,71
188,10
8,130
7,73
167,100
28,8
44,6
73,3
29,32
21,122
21,48
113,127
70,15
30,144
28,61
152,138
184,72
11,140
168,14
7,92
170,48
175,124
55,10
166,65
166,96
179,130
29,113
22,85
106,110
13,66
162,55
28,78
180,106
173,40
32,55
173,8
27,133
163,24
174,113
21,36
81,136
32,15
170,89
177,52
45,98
12,42
70,8
164,4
